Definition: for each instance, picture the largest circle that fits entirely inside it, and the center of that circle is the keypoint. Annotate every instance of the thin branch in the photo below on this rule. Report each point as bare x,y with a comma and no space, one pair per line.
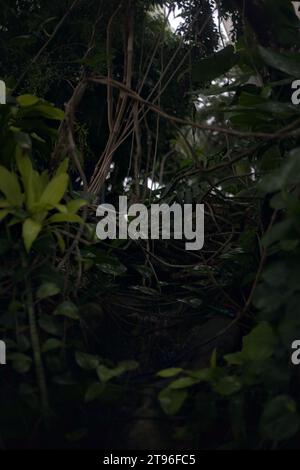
186,122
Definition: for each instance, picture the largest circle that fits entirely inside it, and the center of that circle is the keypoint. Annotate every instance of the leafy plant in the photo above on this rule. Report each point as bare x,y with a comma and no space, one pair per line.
39,206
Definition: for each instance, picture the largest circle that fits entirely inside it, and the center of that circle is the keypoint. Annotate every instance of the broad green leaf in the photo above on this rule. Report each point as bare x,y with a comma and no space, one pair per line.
227,385
249,103
63,167
49,112
30,232
27,100
68,309
276,274
213,359
215,65
283,22
260,344
39,215
287,175
289,245
235,359
44,178
105,374
172,372
62,208
20,362
94,391
25,167
171,401
280,420
26,172
4,203
50,325
3,214
287,63
75,205
38,185
23,343
278,201
60,241
58,218
202,375
10,187
52,344
277,233
183,382
48,289
86,361
55,190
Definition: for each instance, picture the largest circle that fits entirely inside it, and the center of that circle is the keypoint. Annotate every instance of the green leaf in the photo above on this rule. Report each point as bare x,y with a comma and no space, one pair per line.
52,344
47,323
20,362
171,401
171,372
289,64
26,171
289,245
9,186
75,205
227,385
62,208
235,359
287,175
277,233
67,309
63,167
280,420
55,190
3,214
86,361
44,176
105,374
214,66
276,274
30,232
260,344
213,359
4,203
50,112
48,289
203,375
183,382
27,100
60,241
94,391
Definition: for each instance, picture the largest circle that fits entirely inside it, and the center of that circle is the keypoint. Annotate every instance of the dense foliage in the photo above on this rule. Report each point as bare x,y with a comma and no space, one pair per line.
140,343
